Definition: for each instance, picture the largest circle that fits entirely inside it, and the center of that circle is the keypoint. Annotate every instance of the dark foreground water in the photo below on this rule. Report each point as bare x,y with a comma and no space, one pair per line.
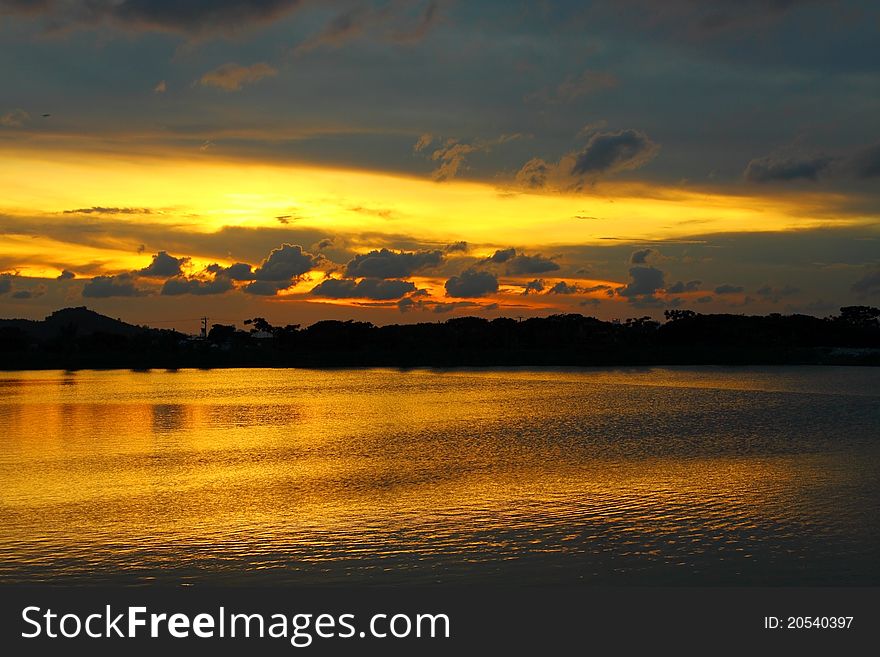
257,476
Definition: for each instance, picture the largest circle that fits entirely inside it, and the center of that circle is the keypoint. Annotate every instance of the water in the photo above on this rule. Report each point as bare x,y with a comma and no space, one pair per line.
684,476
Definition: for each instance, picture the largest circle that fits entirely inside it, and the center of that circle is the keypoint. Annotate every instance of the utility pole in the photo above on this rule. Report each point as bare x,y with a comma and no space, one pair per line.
204,327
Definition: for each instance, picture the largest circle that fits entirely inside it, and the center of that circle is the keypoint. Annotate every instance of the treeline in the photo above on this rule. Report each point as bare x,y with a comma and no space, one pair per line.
851,337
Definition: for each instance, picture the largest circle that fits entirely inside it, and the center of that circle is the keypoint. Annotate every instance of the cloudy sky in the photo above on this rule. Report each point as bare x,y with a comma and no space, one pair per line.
413,160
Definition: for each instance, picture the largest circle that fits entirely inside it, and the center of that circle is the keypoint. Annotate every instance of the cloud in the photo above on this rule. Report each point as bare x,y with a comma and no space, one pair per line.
869,284
341,28
199,15
423,142
574,87
5,283
776,294
534,264
240,271
501,255
780,169
161,87
429,18
457,246
640,257
181,285
391,264
359,19
14,119
563,288
535,173
441,307
681,286
232,77
283,264
644,281
472,283
521,263
97,209
66,275
121,285
266,288
378,289
729,289
611,152
605,153
163,266
865,163
536,285
452,155
24,6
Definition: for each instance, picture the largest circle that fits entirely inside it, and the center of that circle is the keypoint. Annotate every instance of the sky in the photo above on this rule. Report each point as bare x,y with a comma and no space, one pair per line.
414,160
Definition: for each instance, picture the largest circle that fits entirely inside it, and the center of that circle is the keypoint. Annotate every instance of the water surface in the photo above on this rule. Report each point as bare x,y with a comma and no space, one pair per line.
260,476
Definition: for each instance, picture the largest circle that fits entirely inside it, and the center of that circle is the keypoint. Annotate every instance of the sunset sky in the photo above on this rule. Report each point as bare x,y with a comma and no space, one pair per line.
415,160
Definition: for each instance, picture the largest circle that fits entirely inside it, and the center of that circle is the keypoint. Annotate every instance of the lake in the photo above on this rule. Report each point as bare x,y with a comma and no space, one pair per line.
682,476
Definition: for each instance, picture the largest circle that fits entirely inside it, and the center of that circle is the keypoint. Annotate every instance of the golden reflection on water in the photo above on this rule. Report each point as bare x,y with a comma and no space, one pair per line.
681,475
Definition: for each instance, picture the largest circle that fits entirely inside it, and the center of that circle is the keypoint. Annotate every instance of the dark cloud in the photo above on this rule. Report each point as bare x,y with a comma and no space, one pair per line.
457,246
604,154
640,257
563,288
194,15
24,6
121,285
429,18
191,17
391,264
501,255
705,299
776,294
472,283
865,163
729,289
5,283
681,286
163,266
66,275
644,281
611,152
266,288
284,264
781,169
98,209
869,284
440,308
521,263
181,285
536,285
240,271
378,289
534,264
